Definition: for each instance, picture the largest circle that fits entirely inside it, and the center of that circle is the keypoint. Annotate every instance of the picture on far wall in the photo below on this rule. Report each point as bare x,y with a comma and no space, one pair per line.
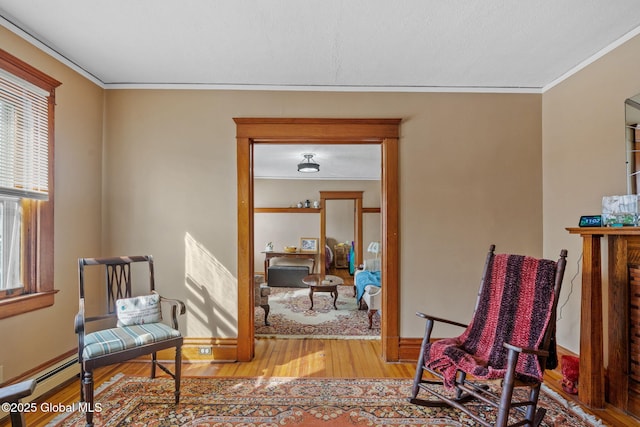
309,245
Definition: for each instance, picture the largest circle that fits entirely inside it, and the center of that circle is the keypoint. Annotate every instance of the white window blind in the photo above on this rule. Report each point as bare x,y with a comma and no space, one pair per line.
24,138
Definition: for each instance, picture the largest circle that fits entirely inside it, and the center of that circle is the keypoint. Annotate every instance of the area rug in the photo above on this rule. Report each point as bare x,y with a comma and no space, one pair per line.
270,402
291,316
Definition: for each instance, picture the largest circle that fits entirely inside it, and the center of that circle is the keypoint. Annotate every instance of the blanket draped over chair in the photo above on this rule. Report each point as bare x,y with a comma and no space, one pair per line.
506,304
364,278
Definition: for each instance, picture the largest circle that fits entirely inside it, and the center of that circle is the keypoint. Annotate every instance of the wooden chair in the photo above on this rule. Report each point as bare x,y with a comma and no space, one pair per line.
509,340
12,394
261,296
139,330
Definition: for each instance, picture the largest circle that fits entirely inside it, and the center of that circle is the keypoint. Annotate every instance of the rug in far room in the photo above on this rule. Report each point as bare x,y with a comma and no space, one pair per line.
291,316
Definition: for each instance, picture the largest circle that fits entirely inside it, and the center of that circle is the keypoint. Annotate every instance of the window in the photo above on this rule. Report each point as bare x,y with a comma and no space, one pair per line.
27,99
10,227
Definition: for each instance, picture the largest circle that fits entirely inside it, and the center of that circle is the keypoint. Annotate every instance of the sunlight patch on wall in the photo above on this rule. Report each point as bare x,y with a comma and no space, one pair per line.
212,301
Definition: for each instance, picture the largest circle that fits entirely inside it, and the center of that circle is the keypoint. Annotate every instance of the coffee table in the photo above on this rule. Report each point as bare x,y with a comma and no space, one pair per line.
315,285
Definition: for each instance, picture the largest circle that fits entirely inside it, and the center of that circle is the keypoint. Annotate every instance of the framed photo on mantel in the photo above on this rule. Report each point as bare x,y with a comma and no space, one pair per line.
309,245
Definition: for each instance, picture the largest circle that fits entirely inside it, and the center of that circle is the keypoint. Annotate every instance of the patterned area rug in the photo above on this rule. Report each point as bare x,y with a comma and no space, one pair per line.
270,402
291,316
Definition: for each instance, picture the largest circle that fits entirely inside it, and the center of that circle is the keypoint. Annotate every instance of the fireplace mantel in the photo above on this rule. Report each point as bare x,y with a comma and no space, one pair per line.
623,251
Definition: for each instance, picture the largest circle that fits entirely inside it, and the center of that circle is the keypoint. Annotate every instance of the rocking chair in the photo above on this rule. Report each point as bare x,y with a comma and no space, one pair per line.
139,330
510,340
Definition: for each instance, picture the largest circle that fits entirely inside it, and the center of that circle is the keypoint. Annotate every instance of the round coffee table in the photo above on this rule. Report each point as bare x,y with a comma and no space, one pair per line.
315,285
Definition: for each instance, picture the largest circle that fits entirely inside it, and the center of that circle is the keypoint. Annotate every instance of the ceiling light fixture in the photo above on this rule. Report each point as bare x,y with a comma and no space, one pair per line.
308,165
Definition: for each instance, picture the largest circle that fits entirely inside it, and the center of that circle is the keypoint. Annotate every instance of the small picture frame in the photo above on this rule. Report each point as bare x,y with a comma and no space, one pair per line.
309,245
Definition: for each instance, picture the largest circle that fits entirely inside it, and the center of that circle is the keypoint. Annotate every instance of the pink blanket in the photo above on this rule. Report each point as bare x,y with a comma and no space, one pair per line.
514,307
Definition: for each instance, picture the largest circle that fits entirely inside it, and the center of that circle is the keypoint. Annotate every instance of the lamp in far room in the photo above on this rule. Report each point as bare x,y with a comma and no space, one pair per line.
308,165
374,248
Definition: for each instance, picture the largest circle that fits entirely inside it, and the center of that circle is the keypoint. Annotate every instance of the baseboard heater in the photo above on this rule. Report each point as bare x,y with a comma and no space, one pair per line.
50,378
289,276
54,376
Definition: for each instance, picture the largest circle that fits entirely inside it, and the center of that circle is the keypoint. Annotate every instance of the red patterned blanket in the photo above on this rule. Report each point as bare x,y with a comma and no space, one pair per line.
514,307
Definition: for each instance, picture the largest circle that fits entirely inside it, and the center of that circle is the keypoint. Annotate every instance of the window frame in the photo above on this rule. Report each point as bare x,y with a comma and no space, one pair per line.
37,215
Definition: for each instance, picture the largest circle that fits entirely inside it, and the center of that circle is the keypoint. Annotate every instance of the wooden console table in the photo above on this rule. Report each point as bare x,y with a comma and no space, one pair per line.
623,251
299,255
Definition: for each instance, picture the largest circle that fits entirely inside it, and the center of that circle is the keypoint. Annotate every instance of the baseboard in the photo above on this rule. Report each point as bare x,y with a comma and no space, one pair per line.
409,349
205,350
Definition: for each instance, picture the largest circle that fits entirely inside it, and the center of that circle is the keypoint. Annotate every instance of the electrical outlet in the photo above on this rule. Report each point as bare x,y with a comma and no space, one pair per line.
205,351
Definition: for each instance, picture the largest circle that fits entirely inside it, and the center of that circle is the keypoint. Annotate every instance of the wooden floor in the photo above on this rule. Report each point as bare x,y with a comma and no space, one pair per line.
343,273
292,358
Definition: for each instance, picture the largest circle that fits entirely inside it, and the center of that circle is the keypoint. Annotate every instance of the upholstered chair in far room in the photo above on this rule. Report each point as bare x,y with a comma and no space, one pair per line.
118,326
367,287
368,273
501,356
261,292
373,298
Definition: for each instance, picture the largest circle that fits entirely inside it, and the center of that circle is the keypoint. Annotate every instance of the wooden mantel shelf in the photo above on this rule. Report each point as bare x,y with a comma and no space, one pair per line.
286,210
304,210
605,231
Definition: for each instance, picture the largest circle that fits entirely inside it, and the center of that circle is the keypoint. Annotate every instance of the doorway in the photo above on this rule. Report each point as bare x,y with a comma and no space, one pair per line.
353,200
251,131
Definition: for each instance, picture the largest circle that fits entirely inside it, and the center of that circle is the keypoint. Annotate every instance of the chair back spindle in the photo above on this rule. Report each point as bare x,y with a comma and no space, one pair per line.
118,279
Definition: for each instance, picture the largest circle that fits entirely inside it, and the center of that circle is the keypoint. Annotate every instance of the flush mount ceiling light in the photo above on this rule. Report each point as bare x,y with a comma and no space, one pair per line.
308,165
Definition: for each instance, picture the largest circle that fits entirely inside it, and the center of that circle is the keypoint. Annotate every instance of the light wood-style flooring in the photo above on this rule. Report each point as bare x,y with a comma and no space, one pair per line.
343,273
294,358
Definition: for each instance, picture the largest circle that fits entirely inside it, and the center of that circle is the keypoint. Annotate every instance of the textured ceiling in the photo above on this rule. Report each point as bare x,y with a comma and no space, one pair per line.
355,45
326,44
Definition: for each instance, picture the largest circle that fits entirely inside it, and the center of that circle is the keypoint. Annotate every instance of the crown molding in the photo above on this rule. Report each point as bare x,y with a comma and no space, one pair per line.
30,38
593,58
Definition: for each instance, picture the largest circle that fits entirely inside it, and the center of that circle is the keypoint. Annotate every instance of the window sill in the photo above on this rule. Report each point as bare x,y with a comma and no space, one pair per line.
25,303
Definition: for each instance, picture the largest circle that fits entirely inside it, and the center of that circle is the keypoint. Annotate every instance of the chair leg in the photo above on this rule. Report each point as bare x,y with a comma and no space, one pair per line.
154,362
507,390
417,379
535,414
371,313
87,382
17,418
266,309
178,372
81,383
462,377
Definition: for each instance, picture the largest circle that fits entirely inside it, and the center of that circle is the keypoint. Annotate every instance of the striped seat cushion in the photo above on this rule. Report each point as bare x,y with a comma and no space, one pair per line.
117,339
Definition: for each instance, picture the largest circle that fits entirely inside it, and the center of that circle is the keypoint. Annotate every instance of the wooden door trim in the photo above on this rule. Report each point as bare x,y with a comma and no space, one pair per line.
250,131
